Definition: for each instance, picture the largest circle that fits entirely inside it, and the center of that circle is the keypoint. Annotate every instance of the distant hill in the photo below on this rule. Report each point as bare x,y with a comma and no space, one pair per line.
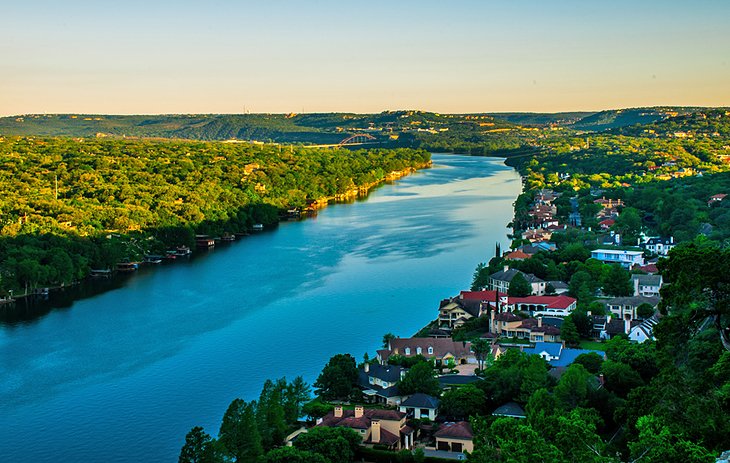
542,119
615,118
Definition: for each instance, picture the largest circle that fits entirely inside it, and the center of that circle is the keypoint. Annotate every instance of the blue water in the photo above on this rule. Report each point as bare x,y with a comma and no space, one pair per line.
123,376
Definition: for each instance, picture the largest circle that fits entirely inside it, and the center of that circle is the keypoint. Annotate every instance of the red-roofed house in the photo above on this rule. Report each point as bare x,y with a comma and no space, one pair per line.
376,427
560,305
606,224
716,199
455,437
442,350
517,255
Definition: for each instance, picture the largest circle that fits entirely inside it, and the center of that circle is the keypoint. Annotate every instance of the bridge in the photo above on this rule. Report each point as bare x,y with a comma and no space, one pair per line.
356,139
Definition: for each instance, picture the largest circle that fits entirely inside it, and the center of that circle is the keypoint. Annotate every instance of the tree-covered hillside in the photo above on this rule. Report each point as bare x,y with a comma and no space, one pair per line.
74,204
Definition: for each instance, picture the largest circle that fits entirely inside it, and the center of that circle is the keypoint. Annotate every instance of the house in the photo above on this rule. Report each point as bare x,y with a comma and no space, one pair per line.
500,281
455,437
627,259
511,410
715,199
657,245
467,305
510,325
517,255
557,355
560,305
378,383
644,331
442,350
625,307
609,326
606,224
376,427
560,287
646,285
608,203
535,235
420,406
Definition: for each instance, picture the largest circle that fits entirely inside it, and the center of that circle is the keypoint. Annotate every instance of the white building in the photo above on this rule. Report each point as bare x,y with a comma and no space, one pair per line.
626,259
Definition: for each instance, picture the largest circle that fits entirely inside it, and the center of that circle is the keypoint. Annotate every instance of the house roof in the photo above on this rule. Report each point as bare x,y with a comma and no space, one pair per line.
480,295
517,255
660,240
547,329
459,430
389,373
506,317
386,437
363,422
457,380
633,301
557,284
510,409
552,348
507,275
648,280
565,355
649,268
560,301
420,400
441,347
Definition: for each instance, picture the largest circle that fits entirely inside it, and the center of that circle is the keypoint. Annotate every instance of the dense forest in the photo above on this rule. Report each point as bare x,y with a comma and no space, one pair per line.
75,204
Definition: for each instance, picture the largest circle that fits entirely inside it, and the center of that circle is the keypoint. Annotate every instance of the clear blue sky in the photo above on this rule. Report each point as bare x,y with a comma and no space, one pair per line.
221,56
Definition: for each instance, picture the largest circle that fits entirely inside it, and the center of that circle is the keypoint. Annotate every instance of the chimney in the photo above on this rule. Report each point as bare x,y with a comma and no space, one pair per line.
375,431
562,345
338,411
366,367
539,322
506,267
627,325
359,410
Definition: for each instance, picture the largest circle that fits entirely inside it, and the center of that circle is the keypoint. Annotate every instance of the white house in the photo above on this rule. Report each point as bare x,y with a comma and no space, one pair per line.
626,259
657,245
644,331
500,281
646,285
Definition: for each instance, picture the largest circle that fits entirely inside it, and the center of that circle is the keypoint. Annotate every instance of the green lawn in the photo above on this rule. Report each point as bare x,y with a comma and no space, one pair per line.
593,345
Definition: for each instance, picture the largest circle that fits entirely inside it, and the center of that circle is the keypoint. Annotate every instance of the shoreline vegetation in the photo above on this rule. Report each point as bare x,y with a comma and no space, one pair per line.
101,204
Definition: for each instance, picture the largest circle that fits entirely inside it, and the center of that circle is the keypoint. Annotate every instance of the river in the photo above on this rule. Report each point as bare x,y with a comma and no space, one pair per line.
123,375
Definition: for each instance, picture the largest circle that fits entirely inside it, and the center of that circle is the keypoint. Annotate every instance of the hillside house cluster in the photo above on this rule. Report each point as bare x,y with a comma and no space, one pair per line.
542,212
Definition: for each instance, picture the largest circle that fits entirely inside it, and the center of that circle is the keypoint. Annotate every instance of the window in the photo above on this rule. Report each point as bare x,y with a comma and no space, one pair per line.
418,350
408,351
430,350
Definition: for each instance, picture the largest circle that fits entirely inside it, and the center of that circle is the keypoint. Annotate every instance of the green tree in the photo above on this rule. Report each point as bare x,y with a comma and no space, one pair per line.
316,409
569,332
296,395
573,387
387,337
239,434
481,349
519,286
292,455
657,444
270,415
420,378
617,282
620,378
198,448
338,378
462,402
337,445
591,362
645,310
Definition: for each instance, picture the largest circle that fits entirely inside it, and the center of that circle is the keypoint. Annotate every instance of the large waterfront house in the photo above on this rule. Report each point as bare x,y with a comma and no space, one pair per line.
385,428
378,383
442,350
500,281
625,258
657,245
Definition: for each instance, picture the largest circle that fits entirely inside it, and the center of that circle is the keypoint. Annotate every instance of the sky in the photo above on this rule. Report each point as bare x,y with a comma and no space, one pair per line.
459,56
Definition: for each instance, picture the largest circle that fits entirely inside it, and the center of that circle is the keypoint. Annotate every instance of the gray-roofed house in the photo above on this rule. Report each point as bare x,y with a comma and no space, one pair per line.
560,287
625,307
500,281
511,410
647,285
420,406
378,383
644,331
